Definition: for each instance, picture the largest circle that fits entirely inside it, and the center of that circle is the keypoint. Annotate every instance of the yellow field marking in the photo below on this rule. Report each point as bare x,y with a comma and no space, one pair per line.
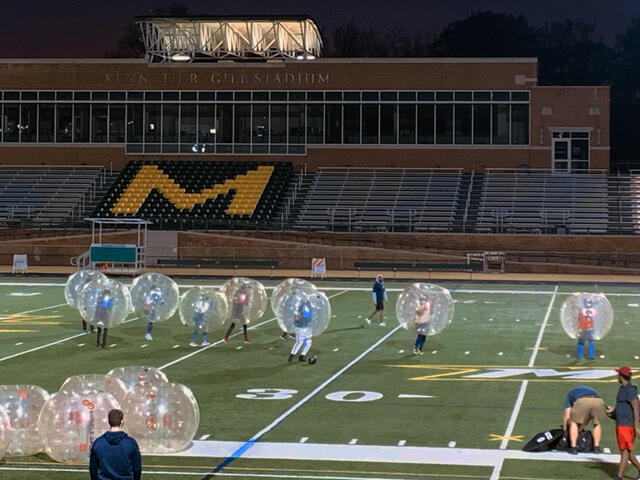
496,438
20,322
449,371
533,348
5,330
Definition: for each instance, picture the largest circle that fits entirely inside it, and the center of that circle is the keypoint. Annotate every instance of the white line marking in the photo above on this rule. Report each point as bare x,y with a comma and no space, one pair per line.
81,344
176,346
411,395
402,443
144,346
19,343
113,345
205,436
353,441
303,440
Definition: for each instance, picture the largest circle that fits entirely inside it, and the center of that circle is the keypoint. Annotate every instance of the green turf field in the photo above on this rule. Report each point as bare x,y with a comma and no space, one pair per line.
369,409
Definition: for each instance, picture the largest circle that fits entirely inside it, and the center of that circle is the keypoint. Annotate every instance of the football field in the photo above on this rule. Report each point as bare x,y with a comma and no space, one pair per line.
369,408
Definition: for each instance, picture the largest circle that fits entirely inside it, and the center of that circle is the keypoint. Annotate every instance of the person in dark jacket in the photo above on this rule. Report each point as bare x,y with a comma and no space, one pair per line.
379,296
115,455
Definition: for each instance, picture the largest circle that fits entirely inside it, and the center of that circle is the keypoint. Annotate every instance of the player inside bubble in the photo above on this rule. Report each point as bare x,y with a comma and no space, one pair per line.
155,298
204,309
247,300
586,317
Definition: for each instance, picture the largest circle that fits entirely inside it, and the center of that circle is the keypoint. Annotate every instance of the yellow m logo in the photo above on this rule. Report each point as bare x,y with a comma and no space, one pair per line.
248,190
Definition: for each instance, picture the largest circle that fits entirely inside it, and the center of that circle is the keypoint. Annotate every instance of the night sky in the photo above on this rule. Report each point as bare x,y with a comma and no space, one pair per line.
88,28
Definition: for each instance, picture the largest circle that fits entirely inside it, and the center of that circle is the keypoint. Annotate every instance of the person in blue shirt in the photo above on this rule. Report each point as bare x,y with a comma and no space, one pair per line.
581,406
379,295
115,455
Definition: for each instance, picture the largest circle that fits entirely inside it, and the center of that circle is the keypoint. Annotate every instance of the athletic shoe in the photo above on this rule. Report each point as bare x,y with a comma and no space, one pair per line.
597,449
302,358
225,339
193,344
592,358
283,337
421,352
291,357
367,320
572,450
247,340
148,337
205,344
415,351
382,324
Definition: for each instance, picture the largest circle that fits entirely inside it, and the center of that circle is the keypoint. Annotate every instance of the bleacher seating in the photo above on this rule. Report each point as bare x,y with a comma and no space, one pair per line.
47,196
542,202
197,194
380,200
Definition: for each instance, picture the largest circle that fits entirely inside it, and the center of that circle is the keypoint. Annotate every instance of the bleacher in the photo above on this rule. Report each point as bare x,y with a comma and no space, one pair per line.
47,196
197,194
542,202
358,199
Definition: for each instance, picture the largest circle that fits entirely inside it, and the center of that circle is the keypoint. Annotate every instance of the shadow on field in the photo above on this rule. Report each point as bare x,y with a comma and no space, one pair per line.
611,469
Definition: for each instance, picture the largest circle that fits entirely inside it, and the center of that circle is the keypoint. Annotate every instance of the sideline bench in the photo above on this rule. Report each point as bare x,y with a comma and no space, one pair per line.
429,267
217,263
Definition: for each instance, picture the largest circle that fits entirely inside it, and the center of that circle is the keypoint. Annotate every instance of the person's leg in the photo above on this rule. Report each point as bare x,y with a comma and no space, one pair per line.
624,459
597,434
423,339
84,325
306,346
573,434
98,336
416,347
246,336
204,339
381,312
148,331
592,346
228,334
634,460
194,335
296,347
104,337
580,346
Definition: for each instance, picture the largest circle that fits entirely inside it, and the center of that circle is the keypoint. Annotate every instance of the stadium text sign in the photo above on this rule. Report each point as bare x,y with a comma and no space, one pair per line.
217,78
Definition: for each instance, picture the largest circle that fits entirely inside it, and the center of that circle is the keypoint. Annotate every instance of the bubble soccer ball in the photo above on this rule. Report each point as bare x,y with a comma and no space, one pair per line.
104,302
306,313
247,299
135,375
203,307
162,418
155,297
424,309
589,311
21,405
92,383
75,284
69,423
5,432
285,288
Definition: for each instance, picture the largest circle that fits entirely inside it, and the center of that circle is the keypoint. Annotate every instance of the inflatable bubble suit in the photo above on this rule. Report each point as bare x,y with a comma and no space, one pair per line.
91,383
286,287
136,375
21,405
76,283
154,297
425,309
5,432
590,310
306,310
69,423
104,302
203,307
247,299
162,418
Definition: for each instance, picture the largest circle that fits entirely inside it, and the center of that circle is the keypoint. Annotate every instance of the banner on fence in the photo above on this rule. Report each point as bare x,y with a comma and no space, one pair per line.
318,267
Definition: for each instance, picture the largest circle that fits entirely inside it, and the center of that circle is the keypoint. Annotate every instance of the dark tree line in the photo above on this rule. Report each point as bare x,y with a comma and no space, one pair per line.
569,53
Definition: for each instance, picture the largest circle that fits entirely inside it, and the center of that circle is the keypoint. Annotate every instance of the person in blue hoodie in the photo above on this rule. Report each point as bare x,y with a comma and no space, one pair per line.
115,455
379,295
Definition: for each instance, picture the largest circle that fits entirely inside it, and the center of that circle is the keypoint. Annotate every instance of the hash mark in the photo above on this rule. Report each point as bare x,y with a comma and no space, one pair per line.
81,344
402,443
144,346
176,346
353,441
204,437
19,343
303,440
113,345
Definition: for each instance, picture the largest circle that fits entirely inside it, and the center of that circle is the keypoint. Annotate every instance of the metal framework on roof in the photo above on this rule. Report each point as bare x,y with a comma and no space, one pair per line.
192,39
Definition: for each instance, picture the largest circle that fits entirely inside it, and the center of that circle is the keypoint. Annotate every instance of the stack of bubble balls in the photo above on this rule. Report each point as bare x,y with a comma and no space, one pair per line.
298,301
5,432
204,308
21,405
419,298
247,299
594,305
104,303
154,297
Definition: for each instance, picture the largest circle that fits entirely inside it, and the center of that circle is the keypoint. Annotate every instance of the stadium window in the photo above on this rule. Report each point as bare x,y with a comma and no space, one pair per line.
481,96
370,96
134,122
152,122
99,122
242,123
297,96
388,122
188,125
206,123
315,123
500,96
296,122
351,122
116,123
11,122
46,119
407,114
28,121
278,96
370,121
463,123
425,123
29,96
260,123
64,96
388,96
261,96
444,123
444,96
333,96
47,95
153,96
170,123
64,122
500,124
520,124
134,96
519,96
482,124
407,96
224,124
333,122
278,126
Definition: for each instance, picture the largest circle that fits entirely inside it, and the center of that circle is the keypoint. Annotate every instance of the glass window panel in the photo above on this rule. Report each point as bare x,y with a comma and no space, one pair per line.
170,123
243,96
172,96
333,96
206,123
11,122
351,122
12,95
152,123
426,96
370,123
30,96
188,132
577,134
444,124
134,95
207,96
481,96
579,149
64,119
279,96
224,96
333,123
260,127
278,123
388,96
99,95
520,124
463,123
116,123
64,95
47,112
407,96
242,123
119,96
315,123
351,96
296,123
388,123
28,122
297,96
500,124
520,96
224,123
370,96
81,120
315,96
47,95
153,96
444,96
135,124
425,123
463,96
99,123
482,124
500,96
189,96
407,123
261,96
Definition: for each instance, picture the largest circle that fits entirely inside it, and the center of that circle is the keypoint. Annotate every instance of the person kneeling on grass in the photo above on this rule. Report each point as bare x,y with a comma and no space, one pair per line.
626,415
581,406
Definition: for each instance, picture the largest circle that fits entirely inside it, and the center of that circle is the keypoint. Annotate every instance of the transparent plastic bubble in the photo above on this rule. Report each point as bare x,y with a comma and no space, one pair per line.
69,423
424,309
5,432
589,311
162,418
89,383
306,311
137,375
22,405
203,307
285,288
104,302
75,284
155,297
247,299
